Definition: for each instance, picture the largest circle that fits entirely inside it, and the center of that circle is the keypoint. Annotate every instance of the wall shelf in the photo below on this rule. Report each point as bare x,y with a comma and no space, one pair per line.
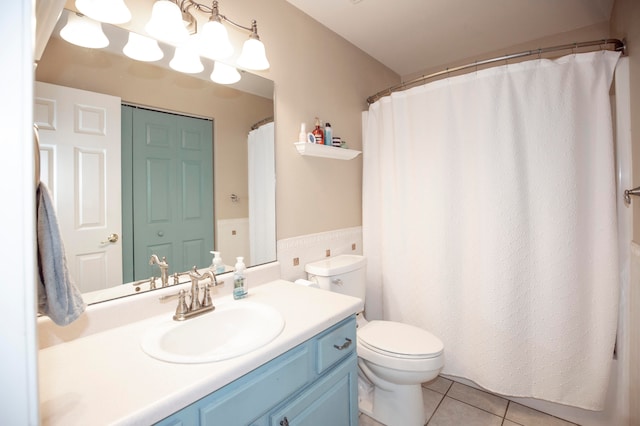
325,151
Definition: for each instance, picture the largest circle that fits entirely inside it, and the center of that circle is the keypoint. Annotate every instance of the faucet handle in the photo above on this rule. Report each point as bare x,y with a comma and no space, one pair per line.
182,308
195,293
206,298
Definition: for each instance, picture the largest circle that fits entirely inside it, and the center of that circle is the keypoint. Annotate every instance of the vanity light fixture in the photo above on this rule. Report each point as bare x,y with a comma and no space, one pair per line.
83,31
174,22
142,48
213,38
224,74
107,11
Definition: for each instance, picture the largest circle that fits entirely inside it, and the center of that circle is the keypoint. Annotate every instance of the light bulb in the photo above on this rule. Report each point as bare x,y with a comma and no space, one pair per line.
253,56
108,11
142,48
186,60
83,31
224,74
166,23
213,41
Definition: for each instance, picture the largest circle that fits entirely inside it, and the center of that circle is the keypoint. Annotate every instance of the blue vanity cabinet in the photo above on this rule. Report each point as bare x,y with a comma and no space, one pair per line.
314,383
329,401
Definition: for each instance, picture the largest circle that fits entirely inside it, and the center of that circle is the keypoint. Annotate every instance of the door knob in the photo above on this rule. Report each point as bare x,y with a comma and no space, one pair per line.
112,238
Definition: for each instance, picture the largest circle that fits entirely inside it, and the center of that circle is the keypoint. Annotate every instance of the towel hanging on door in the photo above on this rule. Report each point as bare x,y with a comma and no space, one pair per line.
58,297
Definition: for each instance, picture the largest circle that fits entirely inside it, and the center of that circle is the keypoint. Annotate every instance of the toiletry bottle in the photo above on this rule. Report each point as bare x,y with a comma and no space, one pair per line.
239,282
216,263
318,133
328,134
302,136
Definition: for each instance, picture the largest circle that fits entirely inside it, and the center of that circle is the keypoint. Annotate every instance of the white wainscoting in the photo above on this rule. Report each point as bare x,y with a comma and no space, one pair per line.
312,247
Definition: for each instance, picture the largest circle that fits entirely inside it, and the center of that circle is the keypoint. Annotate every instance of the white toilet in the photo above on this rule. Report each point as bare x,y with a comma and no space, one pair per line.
394,359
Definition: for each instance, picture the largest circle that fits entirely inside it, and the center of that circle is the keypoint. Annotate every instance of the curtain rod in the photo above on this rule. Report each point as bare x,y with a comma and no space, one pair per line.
619,45
261,122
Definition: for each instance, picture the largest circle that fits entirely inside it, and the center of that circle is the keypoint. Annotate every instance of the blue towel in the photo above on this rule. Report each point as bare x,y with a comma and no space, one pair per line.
58,297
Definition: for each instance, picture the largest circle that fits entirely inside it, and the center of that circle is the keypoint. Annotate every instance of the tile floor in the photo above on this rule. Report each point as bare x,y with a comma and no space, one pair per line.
449,403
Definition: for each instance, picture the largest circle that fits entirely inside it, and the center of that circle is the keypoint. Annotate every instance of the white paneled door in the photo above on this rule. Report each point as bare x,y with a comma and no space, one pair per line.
80,164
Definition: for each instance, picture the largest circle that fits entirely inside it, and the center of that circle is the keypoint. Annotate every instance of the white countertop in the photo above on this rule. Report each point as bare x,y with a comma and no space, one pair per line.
106,378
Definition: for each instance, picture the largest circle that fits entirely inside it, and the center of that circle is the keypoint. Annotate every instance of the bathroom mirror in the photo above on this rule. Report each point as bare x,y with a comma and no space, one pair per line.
232,109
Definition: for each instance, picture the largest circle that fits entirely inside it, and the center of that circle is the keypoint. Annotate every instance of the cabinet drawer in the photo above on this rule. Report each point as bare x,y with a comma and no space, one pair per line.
336,344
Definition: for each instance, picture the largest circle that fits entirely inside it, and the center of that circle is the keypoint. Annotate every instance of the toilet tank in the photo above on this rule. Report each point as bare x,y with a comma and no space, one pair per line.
341,274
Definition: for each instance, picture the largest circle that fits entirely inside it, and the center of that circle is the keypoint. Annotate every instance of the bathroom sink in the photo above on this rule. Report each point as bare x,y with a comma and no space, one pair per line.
231,330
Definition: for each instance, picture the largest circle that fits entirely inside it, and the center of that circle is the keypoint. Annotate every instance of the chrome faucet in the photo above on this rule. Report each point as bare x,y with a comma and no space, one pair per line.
164,268
196,306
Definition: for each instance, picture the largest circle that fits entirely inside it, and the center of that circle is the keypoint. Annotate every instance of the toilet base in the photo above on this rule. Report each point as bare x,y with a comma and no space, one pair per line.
397,405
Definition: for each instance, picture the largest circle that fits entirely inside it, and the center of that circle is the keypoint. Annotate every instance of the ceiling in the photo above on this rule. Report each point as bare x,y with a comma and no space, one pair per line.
410,36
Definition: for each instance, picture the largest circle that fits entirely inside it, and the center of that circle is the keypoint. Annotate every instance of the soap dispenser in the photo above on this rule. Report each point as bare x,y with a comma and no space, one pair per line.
239,282
216,262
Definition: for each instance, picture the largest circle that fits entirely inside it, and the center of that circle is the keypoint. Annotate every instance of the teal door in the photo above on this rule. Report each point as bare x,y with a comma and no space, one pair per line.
171,190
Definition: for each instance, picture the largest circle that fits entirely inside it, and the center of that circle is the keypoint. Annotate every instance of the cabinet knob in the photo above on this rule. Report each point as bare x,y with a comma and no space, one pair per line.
345,345
284,422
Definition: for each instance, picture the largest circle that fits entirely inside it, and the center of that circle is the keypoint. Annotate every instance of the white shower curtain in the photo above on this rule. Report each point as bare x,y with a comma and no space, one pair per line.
490,220
262,202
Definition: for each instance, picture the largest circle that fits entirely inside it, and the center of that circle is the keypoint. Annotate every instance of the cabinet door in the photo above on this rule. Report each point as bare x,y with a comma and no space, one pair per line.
332,400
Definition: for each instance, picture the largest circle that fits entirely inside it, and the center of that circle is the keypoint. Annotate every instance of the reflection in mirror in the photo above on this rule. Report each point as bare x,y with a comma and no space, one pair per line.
242,176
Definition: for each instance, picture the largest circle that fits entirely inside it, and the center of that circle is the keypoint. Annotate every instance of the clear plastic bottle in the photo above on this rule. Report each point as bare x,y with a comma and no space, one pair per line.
216,262
328,134
302,136
239,282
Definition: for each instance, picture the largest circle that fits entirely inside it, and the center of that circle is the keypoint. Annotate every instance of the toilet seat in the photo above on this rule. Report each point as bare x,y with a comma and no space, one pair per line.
399,340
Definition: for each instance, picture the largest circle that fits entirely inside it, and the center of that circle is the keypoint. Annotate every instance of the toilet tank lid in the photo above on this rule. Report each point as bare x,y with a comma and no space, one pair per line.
336,265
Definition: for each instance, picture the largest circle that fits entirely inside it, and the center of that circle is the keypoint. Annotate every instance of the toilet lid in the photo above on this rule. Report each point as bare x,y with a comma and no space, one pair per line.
403,340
